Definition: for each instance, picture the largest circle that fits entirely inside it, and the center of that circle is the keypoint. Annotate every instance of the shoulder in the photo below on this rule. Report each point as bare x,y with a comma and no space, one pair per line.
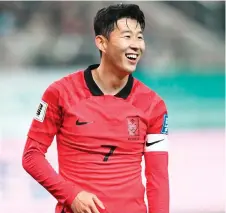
153,106
69,87
70,80
146,96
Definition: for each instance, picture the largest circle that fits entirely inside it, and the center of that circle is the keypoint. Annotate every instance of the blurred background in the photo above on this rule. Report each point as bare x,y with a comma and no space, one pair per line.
41,42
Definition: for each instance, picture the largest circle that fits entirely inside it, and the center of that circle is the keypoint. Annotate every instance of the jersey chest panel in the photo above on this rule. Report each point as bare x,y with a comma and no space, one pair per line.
105,124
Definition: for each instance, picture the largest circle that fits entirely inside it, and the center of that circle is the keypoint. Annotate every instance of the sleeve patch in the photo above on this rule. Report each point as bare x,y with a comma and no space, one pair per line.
41,112
165,125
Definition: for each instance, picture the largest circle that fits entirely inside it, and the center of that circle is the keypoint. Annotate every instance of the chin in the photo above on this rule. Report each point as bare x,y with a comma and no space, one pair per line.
130,69
127,68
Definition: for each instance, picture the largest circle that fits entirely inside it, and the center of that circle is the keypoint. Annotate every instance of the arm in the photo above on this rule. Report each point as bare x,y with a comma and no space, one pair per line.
35,163
156,161
40,136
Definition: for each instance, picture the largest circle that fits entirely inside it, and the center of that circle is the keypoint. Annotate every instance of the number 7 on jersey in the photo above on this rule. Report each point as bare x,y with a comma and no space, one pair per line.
112,149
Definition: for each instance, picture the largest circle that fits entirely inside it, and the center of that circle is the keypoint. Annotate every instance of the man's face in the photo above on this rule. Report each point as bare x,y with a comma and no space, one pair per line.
125,45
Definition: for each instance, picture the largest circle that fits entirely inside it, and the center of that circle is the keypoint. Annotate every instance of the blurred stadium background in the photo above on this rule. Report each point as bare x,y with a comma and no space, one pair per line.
184,62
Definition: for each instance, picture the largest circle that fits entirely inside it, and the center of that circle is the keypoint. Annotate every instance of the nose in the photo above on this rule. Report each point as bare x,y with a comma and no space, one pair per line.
134,45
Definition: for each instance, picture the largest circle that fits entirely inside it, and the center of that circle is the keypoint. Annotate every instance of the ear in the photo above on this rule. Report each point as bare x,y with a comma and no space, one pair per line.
101,43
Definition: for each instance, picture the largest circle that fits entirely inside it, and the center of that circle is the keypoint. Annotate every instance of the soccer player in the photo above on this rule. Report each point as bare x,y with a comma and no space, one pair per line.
104,121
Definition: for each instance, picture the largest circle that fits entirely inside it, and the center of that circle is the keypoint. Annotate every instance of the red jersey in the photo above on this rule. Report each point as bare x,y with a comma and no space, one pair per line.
101,140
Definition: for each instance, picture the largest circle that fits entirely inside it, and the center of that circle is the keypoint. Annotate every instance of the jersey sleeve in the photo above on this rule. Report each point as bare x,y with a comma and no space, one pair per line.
47,119
156,160
44,127
35,164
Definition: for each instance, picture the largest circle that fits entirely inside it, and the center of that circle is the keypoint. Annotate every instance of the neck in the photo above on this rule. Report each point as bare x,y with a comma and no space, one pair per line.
108,79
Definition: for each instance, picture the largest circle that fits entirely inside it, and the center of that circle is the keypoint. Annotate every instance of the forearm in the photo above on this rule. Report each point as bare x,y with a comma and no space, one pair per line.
35,163
157,182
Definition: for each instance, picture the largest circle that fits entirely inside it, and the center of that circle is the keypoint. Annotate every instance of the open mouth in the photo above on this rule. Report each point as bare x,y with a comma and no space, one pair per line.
132,57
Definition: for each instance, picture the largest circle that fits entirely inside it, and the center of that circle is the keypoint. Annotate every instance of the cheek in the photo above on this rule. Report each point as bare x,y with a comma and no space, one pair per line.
120,45
117,51
142,47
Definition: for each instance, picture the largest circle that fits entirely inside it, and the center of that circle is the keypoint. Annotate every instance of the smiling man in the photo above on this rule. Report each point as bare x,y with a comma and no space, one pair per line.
104,121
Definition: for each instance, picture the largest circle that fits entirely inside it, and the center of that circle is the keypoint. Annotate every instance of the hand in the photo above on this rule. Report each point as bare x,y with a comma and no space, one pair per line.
86,202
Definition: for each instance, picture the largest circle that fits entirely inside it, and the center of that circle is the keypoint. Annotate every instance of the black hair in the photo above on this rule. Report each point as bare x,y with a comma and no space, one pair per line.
106,18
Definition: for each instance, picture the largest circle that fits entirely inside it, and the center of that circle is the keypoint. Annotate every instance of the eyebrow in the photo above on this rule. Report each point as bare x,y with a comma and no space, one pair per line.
129,31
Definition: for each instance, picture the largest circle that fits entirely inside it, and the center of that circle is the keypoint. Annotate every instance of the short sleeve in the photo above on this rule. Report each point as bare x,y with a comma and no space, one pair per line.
47,119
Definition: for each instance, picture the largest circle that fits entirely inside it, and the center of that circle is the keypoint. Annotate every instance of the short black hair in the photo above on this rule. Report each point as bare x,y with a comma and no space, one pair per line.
106,18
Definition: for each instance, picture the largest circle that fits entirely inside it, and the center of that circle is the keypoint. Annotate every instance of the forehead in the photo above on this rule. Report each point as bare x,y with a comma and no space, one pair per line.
127,24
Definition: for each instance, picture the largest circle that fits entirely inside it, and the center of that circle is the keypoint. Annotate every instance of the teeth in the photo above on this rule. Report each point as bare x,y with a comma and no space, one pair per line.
133,56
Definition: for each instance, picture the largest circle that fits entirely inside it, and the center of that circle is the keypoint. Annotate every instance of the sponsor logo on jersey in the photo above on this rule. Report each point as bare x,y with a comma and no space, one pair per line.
152,143
79,123
133,127
156,143
41,111
165,125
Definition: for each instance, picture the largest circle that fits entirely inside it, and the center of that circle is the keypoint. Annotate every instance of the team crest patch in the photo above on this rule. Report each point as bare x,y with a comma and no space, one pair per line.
133,125
165,125
41,112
